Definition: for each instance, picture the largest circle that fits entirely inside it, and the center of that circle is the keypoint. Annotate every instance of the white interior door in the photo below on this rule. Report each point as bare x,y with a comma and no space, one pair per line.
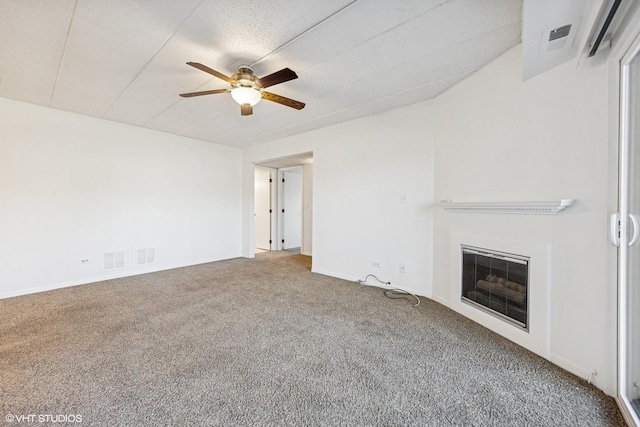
629,235
262,210
292,205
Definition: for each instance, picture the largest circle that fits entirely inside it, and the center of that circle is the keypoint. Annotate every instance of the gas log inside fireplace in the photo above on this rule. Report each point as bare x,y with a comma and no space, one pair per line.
497,283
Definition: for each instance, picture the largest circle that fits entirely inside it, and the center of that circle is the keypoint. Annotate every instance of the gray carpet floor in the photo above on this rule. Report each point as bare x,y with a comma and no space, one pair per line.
265,342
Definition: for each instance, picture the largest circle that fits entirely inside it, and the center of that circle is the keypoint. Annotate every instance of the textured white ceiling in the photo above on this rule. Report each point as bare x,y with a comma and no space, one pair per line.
124,60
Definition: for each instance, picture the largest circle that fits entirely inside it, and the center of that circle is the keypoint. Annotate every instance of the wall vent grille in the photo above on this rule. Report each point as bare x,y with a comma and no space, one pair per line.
114,260
146,256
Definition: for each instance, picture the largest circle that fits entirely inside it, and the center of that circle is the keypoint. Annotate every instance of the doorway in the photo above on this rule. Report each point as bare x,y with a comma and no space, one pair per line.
626,234
293,228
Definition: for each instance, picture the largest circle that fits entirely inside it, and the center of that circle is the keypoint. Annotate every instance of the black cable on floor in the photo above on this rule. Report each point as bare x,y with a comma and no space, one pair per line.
394,293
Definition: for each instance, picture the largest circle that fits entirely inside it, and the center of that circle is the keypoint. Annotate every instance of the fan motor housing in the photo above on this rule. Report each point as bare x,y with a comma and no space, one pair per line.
245,77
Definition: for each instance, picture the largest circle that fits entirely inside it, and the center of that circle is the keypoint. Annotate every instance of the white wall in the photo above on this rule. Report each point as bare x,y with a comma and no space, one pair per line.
360,169
307,210
74,187
499,139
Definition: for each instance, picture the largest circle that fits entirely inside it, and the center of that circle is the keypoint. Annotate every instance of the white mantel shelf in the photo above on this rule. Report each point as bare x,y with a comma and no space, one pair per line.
535,208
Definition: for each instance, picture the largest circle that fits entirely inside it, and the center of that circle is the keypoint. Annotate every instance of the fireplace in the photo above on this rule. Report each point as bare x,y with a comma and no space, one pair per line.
497,283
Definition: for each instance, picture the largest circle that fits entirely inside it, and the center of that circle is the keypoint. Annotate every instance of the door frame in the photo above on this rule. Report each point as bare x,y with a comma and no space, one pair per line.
303,159
281,195
273,190
628,49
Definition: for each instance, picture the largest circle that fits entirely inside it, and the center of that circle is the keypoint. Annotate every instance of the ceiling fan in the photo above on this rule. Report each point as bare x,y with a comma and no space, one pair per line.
247,89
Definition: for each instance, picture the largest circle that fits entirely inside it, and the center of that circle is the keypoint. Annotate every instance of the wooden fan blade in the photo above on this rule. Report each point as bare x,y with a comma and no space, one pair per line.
246,110
204,92
211,71
278,77
282,100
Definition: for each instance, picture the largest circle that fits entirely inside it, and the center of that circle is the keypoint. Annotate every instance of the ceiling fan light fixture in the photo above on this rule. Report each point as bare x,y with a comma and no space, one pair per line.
247,90
246,95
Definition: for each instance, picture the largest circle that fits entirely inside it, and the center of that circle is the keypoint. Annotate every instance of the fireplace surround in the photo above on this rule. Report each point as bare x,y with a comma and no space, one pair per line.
496,282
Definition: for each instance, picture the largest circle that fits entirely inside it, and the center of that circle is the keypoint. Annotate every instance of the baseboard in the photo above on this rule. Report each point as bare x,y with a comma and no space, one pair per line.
102,278
441,300
378,285
406,289
53,287
336,275
573,368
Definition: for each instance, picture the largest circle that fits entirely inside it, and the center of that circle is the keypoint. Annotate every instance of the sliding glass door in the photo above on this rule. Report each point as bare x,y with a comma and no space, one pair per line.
629,236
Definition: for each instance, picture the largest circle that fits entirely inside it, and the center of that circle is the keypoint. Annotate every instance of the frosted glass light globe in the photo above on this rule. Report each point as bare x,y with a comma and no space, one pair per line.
246,95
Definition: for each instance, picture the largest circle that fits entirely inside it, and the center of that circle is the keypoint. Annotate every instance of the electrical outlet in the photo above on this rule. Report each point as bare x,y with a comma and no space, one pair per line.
403,269
375,264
